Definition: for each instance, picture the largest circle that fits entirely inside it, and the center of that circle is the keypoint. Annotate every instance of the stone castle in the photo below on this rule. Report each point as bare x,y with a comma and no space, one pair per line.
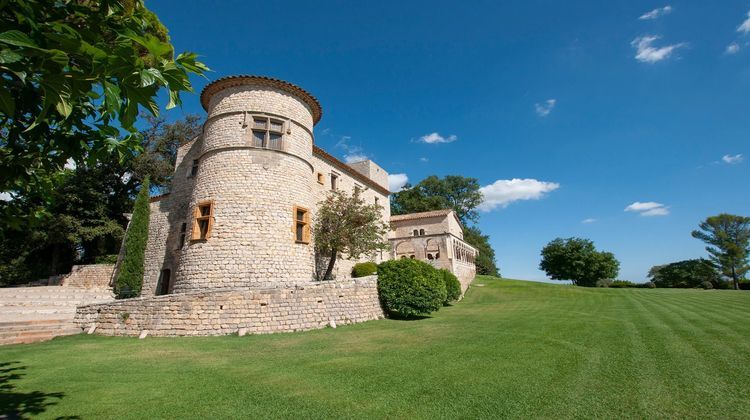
230,247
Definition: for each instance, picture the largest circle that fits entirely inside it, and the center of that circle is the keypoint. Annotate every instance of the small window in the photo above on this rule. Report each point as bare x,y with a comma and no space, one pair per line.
194,168
301,225
421,232
416,232
320,178
334,181
203,221
277,126
377,201
274,141
259,138
429,256
259,122
183,231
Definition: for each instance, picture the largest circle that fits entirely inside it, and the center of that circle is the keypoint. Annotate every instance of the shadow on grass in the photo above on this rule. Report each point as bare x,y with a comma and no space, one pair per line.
21,405
399,317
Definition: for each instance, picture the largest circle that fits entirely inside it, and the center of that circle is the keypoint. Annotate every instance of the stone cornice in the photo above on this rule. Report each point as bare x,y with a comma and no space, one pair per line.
232,81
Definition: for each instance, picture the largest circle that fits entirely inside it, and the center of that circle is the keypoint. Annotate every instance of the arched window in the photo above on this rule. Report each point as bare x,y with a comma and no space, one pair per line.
429,256
421,232
416,232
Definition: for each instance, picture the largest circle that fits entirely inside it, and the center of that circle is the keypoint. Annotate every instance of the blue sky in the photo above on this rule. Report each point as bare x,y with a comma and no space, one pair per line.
568,113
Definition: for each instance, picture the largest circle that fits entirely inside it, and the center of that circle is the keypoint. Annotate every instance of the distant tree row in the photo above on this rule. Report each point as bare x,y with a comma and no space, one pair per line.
727,236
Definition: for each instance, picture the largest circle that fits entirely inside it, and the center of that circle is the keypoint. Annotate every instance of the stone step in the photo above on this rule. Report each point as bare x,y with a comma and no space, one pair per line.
34,331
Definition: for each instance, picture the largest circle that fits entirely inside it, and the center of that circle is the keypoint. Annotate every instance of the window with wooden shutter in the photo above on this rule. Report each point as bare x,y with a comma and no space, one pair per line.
301,225
203,221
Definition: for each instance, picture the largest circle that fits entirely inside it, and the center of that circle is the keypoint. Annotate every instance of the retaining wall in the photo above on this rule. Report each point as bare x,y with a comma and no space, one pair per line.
220,312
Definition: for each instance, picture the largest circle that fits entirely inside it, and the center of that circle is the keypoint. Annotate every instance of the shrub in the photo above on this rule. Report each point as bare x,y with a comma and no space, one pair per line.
707,285
130,277
603,283
106,259
364,269
452,286
620,284
409,287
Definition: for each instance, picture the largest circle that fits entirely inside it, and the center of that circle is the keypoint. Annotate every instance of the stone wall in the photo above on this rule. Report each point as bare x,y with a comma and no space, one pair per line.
90,276
221,312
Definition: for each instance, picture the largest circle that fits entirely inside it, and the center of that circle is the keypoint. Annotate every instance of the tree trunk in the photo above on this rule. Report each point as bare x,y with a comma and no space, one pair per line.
735,280
331,263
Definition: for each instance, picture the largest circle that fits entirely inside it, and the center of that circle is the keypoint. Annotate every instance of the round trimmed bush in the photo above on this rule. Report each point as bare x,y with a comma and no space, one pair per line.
409,287
364,269
452,286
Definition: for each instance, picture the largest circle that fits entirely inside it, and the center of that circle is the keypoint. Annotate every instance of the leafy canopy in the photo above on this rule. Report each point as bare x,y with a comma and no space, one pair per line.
73,77
577,259
685,274
345,225
728,239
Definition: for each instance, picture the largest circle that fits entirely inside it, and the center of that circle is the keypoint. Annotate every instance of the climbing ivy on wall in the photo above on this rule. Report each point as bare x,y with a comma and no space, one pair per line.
130,275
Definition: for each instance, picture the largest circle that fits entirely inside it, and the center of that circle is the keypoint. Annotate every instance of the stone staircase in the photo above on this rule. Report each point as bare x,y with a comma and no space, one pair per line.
31,314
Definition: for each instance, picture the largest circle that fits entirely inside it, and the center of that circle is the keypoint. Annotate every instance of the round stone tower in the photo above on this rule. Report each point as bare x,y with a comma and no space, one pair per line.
253,188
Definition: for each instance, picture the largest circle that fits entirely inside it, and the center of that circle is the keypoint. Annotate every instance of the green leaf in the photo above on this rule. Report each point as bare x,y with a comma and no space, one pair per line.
58,56
57,92
7,104
112,100
151,76
189,61
18,39
8,56
174,99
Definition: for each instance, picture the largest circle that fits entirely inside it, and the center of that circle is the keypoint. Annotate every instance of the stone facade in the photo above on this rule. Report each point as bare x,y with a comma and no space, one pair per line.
254,189
435,237
251,311
242,266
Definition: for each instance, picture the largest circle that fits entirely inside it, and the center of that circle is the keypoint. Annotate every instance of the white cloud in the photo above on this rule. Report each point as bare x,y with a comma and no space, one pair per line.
545,107
732,48
396,182
661,11
354,157
733,160
648,208
424,159
588,221
647,53
505,191
433,138
745,26
5,196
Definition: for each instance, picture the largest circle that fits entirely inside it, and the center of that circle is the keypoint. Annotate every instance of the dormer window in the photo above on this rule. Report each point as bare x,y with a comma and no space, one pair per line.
267,133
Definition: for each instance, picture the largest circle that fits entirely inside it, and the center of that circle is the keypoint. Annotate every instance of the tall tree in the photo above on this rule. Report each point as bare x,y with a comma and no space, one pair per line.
73,74
432,193
130,272
728,239
451,192
346,226
577,259
485,260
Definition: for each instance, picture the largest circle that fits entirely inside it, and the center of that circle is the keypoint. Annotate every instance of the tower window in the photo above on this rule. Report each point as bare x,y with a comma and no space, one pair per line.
194,168
301,225
320,178
267,133
203,221
183,231
421,232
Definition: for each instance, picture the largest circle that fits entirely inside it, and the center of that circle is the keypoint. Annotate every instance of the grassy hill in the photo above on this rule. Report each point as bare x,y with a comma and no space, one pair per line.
510,349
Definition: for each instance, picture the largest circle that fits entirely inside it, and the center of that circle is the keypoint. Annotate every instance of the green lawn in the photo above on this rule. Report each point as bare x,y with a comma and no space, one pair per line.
509,349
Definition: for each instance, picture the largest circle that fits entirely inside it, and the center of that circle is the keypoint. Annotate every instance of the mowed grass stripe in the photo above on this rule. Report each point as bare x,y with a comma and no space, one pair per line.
509,349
